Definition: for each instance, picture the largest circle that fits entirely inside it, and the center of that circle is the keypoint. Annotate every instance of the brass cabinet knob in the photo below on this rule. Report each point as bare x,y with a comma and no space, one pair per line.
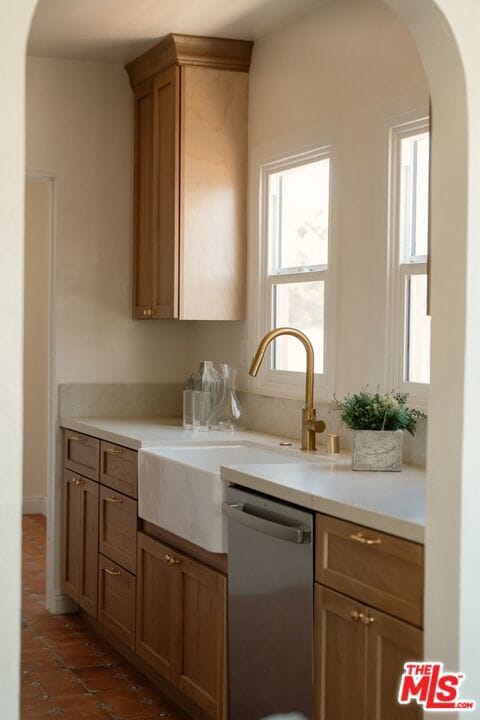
356,616
171,559
78,481
367,619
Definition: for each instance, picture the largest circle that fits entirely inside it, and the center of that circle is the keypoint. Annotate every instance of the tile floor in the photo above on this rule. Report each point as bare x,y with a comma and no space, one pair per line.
67,670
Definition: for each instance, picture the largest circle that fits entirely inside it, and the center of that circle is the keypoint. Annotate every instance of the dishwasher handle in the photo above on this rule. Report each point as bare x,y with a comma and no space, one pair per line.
239,512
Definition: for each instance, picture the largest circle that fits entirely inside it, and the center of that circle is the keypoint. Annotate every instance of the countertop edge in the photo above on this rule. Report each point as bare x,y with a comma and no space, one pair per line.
362,516
107,435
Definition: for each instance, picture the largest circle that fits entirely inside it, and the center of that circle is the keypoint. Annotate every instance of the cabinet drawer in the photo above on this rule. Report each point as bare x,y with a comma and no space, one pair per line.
118,468
118,528
81,454
378,569
116,600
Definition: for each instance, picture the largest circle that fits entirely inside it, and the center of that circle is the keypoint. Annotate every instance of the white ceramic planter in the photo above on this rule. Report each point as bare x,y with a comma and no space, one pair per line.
377,450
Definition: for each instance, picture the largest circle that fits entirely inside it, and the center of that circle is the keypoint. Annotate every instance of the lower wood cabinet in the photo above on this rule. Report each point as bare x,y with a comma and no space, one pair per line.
181,617
118,528
359,656
116,600
80,540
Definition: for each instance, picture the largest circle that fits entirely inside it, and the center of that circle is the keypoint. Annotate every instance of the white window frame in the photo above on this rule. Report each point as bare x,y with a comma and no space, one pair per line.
398,271
280,382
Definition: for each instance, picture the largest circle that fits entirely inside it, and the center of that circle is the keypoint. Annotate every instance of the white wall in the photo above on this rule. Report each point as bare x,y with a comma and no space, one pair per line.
14,23
38,199
79,128
335,77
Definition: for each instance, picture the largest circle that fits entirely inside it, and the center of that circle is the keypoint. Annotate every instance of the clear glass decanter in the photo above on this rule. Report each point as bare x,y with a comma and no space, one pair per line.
228,415
207,379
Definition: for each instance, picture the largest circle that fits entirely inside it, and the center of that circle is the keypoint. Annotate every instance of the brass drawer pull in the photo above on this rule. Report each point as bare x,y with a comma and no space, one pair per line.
113,572
114,451
356,616
113,499
78,481
78,438
358,537
171,559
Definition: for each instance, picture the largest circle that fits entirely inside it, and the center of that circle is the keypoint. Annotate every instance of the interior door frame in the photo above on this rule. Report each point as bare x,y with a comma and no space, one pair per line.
53,499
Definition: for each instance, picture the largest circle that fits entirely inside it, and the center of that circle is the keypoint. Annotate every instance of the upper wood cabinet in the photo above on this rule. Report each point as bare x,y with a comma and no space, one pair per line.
190,161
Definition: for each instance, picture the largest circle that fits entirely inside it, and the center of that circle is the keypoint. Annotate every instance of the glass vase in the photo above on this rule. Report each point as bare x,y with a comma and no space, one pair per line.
228,415
207,379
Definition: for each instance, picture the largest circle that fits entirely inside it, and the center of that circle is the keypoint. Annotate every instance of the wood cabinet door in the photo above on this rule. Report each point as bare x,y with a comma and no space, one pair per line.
70,545
118,528
81,454
80,540
118,468
116,600
166,192
199,667
155,604
142,203
391,643
340,657
88,497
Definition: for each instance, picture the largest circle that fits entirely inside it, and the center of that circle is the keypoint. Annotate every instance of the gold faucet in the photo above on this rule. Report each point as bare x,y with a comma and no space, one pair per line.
310,425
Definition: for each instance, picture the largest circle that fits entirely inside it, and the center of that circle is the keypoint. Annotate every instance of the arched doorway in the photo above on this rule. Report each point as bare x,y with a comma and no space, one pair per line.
445,34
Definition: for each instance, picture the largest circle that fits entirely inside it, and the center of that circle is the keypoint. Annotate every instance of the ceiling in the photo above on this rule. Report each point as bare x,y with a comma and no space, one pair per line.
119,30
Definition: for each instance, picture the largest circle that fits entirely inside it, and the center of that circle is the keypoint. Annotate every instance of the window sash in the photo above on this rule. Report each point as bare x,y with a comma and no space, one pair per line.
400,267
289,381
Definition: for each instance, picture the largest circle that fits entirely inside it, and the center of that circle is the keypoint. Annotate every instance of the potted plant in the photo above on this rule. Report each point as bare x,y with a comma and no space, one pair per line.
377,421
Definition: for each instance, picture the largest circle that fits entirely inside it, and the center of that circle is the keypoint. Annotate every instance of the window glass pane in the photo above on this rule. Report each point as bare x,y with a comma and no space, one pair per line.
299,217
299,305
417,350
414,178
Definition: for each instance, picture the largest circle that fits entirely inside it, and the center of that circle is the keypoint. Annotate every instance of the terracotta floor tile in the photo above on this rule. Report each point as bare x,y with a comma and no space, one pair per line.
101,679
68,671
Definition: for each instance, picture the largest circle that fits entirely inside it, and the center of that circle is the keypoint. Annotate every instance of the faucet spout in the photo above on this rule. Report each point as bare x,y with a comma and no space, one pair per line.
310,425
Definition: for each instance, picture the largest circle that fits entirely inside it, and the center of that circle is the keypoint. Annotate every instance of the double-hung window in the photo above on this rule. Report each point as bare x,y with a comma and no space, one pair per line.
296,230
410,152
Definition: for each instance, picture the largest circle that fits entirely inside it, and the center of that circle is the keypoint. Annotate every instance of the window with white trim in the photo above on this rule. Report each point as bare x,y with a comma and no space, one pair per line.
410,169
296,239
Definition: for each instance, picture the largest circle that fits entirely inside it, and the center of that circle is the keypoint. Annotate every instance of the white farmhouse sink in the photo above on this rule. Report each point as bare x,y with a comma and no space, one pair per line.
180,489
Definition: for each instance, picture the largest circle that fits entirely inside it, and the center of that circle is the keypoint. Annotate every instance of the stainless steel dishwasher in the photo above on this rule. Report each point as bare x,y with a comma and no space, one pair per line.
270,611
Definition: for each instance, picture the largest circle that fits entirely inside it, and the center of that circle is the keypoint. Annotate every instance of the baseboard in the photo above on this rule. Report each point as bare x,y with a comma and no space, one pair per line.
34,505
62,604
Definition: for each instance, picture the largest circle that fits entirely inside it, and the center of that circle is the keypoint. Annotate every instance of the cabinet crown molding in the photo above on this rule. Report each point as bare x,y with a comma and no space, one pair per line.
220,53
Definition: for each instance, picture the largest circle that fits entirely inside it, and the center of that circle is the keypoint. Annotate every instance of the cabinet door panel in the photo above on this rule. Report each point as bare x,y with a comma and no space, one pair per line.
340,657
378,569
118,528
118,468
81,454
88,494
200,653
391,643
155,605
142,234
166,159
116,600
71,521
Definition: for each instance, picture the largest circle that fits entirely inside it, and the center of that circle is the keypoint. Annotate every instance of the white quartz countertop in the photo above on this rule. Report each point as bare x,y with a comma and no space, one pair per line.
149,432
388,502
392,502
